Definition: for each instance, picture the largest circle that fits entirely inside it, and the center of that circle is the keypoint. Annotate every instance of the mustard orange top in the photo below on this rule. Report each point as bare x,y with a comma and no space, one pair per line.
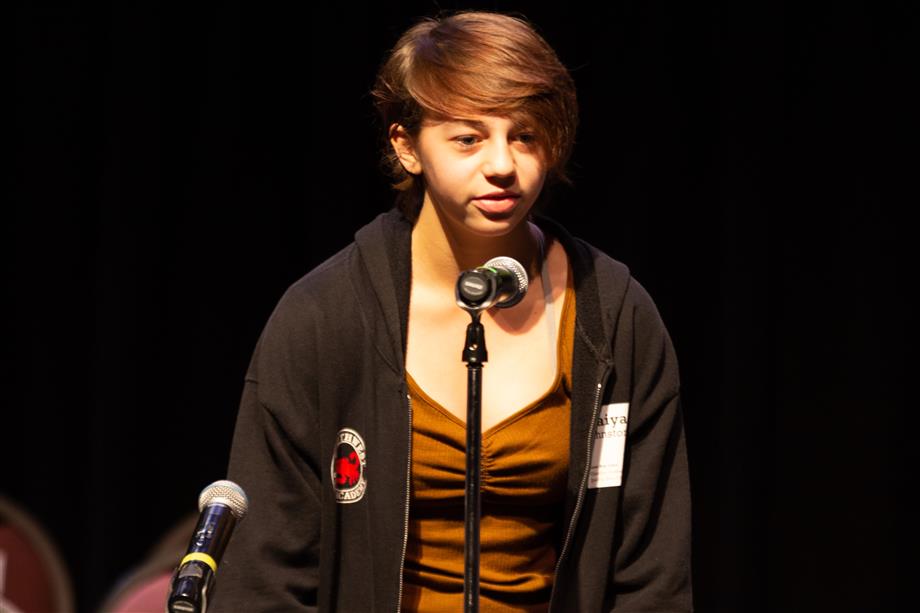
525,461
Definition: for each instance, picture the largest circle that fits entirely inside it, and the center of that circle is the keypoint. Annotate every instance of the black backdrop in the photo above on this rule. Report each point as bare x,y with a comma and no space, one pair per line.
176,168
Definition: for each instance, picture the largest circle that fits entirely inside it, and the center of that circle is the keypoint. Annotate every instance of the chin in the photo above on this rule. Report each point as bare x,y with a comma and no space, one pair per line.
495,226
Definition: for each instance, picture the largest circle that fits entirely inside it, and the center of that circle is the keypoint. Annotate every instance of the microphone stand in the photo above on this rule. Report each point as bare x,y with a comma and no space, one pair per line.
502,283
475,355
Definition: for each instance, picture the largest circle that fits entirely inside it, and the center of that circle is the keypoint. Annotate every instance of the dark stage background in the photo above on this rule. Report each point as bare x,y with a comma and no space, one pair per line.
177,167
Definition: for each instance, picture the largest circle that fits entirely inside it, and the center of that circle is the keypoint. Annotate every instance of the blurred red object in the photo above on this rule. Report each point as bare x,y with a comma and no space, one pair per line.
33,576
145,589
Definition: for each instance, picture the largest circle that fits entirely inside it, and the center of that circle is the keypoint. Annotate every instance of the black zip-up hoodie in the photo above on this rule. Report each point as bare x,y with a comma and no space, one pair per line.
331,360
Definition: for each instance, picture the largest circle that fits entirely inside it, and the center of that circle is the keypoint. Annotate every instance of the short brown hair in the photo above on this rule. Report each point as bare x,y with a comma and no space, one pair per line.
474,62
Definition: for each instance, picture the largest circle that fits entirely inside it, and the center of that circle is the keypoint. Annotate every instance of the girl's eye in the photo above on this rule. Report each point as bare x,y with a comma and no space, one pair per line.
527,138
466,141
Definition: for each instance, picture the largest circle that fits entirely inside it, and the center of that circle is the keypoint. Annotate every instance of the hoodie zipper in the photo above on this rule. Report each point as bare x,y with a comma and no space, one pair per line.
581,489
402,560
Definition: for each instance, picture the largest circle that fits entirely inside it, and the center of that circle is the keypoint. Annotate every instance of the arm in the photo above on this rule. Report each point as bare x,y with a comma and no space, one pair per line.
272,560
271,563
651,560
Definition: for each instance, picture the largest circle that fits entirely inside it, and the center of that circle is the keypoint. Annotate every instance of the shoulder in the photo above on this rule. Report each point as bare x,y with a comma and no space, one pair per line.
321,286
616,305
323,307
305,309
331,285
314,293
616,284
621,292
612,275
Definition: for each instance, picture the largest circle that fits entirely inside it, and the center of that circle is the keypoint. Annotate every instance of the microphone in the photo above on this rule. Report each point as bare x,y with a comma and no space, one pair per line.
222,504
500,282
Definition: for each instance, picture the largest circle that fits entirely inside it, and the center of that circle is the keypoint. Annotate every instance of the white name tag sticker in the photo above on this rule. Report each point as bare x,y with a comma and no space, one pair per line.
609,446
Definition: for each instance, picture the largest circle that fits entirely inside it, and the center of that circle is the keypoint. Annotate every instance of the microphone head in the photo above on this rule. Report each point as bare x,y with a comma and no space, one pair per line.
226,493
520,276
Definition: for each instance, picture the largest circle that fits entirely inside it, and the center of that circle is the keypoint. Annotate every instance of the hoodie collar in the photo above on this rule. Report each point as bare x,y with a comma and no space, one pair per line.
385,255
385,260
595,320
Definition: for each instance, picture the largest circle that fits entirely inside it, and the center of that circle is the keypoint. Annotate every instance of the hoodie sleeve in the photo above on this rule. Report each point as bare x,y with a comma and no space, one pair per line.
650,570
272,560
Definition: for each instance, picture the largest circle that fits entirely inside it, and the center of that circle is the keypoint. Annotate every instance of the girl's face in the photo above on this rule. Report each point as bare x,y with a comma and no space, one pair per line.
482,173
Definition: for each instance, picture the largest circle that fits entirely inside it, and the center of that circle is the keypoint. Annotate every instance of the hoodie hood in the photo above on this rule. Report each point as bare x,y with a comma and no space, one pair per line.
384,249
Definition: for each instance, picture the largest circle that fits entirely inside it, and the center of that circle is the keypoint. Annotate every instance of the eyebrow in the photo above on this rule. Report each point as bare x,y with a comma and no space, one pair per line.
479,125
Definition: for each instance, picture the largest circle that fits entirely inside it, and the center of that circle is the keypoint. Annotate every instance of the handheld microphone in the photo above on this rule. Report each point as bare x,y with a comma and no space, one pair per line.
500,282
222,504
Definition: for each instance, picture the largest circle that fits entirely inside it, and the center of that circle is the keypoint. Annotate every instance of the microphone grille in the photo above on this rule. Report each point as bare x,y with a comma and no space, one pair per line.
520,275
227,493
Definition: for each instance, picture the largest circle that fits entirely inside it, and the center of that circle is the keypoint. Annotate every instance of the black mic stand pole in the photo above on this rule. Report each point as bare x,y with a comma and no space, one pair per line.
476,291
475,355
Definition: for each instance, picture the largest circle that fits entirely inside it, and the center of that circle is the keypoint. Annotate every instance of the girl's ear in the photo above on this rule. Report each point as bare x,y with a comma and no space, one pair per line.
404,147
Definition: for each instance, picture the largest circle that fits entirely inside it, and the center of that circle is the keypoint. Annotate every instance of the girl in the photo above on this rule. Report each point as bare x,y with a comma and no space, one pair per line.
350,439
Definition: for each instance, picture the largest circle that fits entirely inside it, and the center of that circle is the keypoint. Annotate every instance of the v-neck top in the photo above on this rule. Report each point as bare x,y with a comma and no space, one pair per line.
524,470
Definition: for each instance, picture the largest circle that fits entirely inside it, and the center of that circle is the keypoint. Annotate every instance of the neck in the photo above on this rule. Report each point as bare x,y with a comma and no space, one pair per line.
440,252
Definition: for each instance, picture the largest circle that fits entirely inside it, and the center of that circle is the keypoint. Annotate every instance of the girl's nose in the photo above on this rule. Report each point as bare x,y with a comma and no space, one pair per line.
498,160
